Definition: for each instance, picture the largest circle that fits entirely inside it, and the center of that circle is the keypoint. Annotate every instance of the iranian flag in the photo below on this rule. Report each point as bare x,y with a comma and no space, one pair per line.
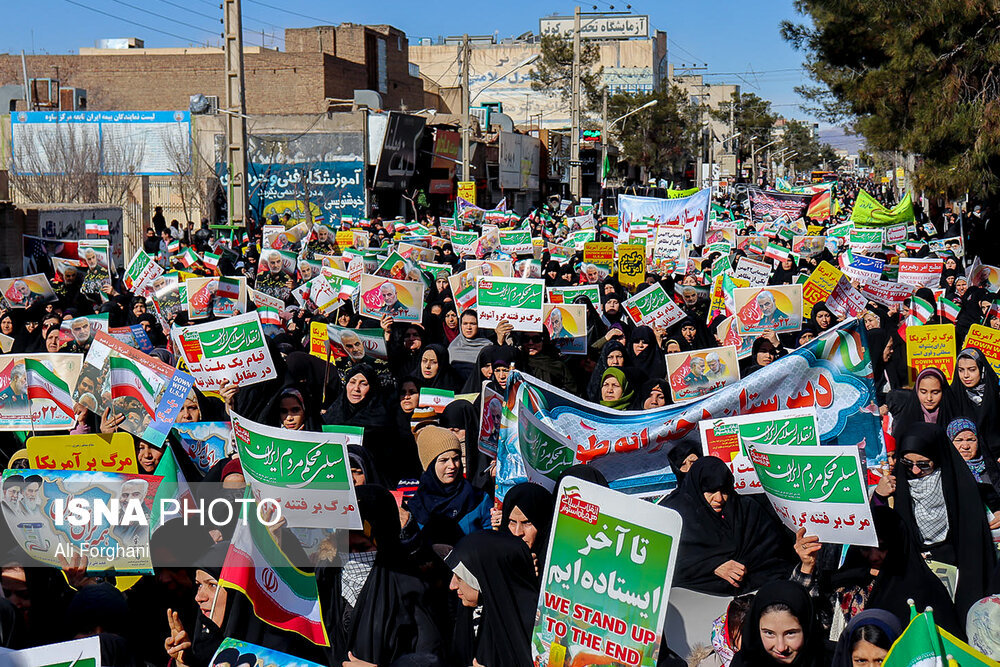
347,289
44,383
174,486
174,247
189,257
281,594
269,315
948,309
776,252
211,260
98,227
921,310
228,288
129,379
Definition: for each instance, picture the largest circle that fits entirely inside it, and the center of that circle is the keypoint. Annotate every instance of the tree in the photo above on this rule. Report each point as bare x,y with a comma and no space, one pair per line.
659,139
553,71
923,78
752,118
812,154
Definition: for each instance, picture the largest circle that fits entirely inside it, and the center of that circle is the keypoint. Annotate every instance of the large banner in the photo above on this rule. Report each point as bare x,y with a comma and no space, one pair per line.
868,211
831,373
606,580
308,474
768,204
691,213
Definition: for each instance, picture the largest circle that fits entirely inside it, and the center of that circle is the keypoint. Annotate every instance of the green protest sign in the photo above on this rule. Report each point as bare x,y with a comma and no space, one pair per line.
308,474
517,300
606,579
567,294
818,488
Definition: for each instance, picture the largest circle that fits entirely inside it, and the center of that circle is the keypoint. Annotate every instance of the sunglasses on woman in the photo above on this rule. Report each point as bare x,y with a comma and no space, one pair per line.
923,466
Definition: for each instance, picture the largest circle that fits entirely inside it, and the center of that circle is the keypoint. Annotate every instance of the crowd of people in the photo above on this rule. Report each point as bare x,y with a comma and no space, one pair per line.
443,574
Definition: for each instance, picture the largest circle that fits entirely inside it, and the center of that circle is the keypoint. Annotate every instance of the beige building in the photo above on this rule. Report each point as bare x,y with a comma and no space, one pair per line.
711,96
630,64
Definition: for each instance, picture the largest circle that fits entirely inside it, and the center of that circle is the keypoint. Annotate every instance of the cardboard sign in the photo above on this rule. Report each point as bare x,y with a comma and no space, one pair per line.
653,307
631,265
586,614
567,326
930,346
986,340
518,300
920,272
889,294
568,294
111,452
754,272
777,308
403,300
234,349
819,286
700,372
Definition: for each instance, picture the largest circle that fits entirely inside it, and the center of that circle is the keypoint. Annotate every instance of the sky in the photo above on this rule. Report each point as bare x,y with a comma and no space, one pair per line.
739,41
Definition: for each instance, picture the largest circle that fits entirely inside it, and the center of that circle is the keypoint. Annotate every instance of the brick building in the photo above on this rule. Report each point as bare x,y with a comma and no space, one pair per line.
318,64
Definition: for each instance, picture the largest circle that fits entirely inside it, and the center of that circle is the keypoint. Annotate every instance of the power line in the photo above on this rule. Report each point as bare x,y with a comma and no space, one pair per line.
289,11
161,16
136,23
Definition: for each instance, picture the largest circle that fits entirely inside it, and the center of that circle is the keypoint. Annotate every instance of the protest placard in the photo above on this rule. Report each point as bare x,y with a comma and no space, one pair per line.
889,294
307,473
205,297
34,527
631,265
653,307
234,349
520,301
821,489
777,308
568,294
819,286
37,391
101,452
895,234
491,408
245,654
754,272
670,245
920,272
696,373
84,652
728,438
567,327
863,269
808,246
845,301
403,300
141,272
606,580
930,346
355,345
26,291
205,443
865,241
986,340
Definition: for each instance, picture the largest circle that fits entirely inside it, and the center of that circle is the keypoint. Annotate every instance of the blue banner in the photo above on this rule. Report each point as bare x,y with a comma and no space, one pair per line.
331,189
831,373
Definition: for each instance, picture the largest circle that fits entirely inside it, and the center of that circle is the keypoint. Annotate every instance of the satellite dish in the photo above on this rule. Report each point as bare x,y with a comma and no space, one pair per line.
199,104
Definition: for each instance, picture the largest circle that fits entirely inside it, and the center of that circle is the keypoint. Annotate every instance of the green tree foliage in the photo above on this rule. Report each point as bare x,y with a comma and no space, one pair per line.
921,77
553,71
752,118
661,138
812,154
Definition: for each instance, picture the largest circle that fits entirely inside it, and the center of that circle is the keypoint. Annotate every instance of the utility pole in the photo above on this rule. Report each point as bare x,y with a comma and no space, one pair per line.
575,185
465,108
604,134
236,110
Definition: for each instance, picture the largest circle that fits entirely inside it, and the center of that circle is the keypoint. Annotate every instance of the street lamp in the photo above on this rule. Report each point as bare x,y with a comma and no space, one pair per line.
753,156
607,126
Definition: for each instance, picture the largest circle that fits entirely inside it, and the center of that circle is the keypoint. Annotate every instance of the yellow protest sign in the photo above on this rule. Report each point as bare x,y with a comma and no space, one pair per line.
987,341
814,230
930,346
345,239
467,191
631,265
819,286
100,452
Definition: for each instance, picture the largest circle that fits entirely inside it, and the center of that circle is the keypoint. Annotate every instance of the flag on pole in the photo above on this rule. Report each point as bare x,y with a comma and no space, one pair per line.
269,315
281,594
776,252
605,170
98,227
228,288
128,379
923,643
820,205
921,310
189,257
948,309
174,247
211,261
44,383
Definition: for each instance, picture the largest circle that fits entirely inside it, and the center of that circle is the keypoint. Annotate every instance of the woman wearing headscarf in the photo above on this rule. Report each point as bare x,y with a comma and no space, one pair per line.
977,393
652,394
435,369
361,403
784,273
461,418
405,346
444,491
481,372
612,355
542,360
867,638
467,345
883,577
941,504
616,390
363,469
929,401
964,435
762,353
729,544
682,456
308,373
780,629
887,373
527,513
494,578
822,318
449,322
643,351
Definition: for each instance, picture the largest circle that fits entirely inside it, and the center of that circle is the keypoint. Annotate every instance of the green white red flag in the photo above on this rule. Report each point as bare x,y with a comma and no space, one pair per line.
44,383
127,379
